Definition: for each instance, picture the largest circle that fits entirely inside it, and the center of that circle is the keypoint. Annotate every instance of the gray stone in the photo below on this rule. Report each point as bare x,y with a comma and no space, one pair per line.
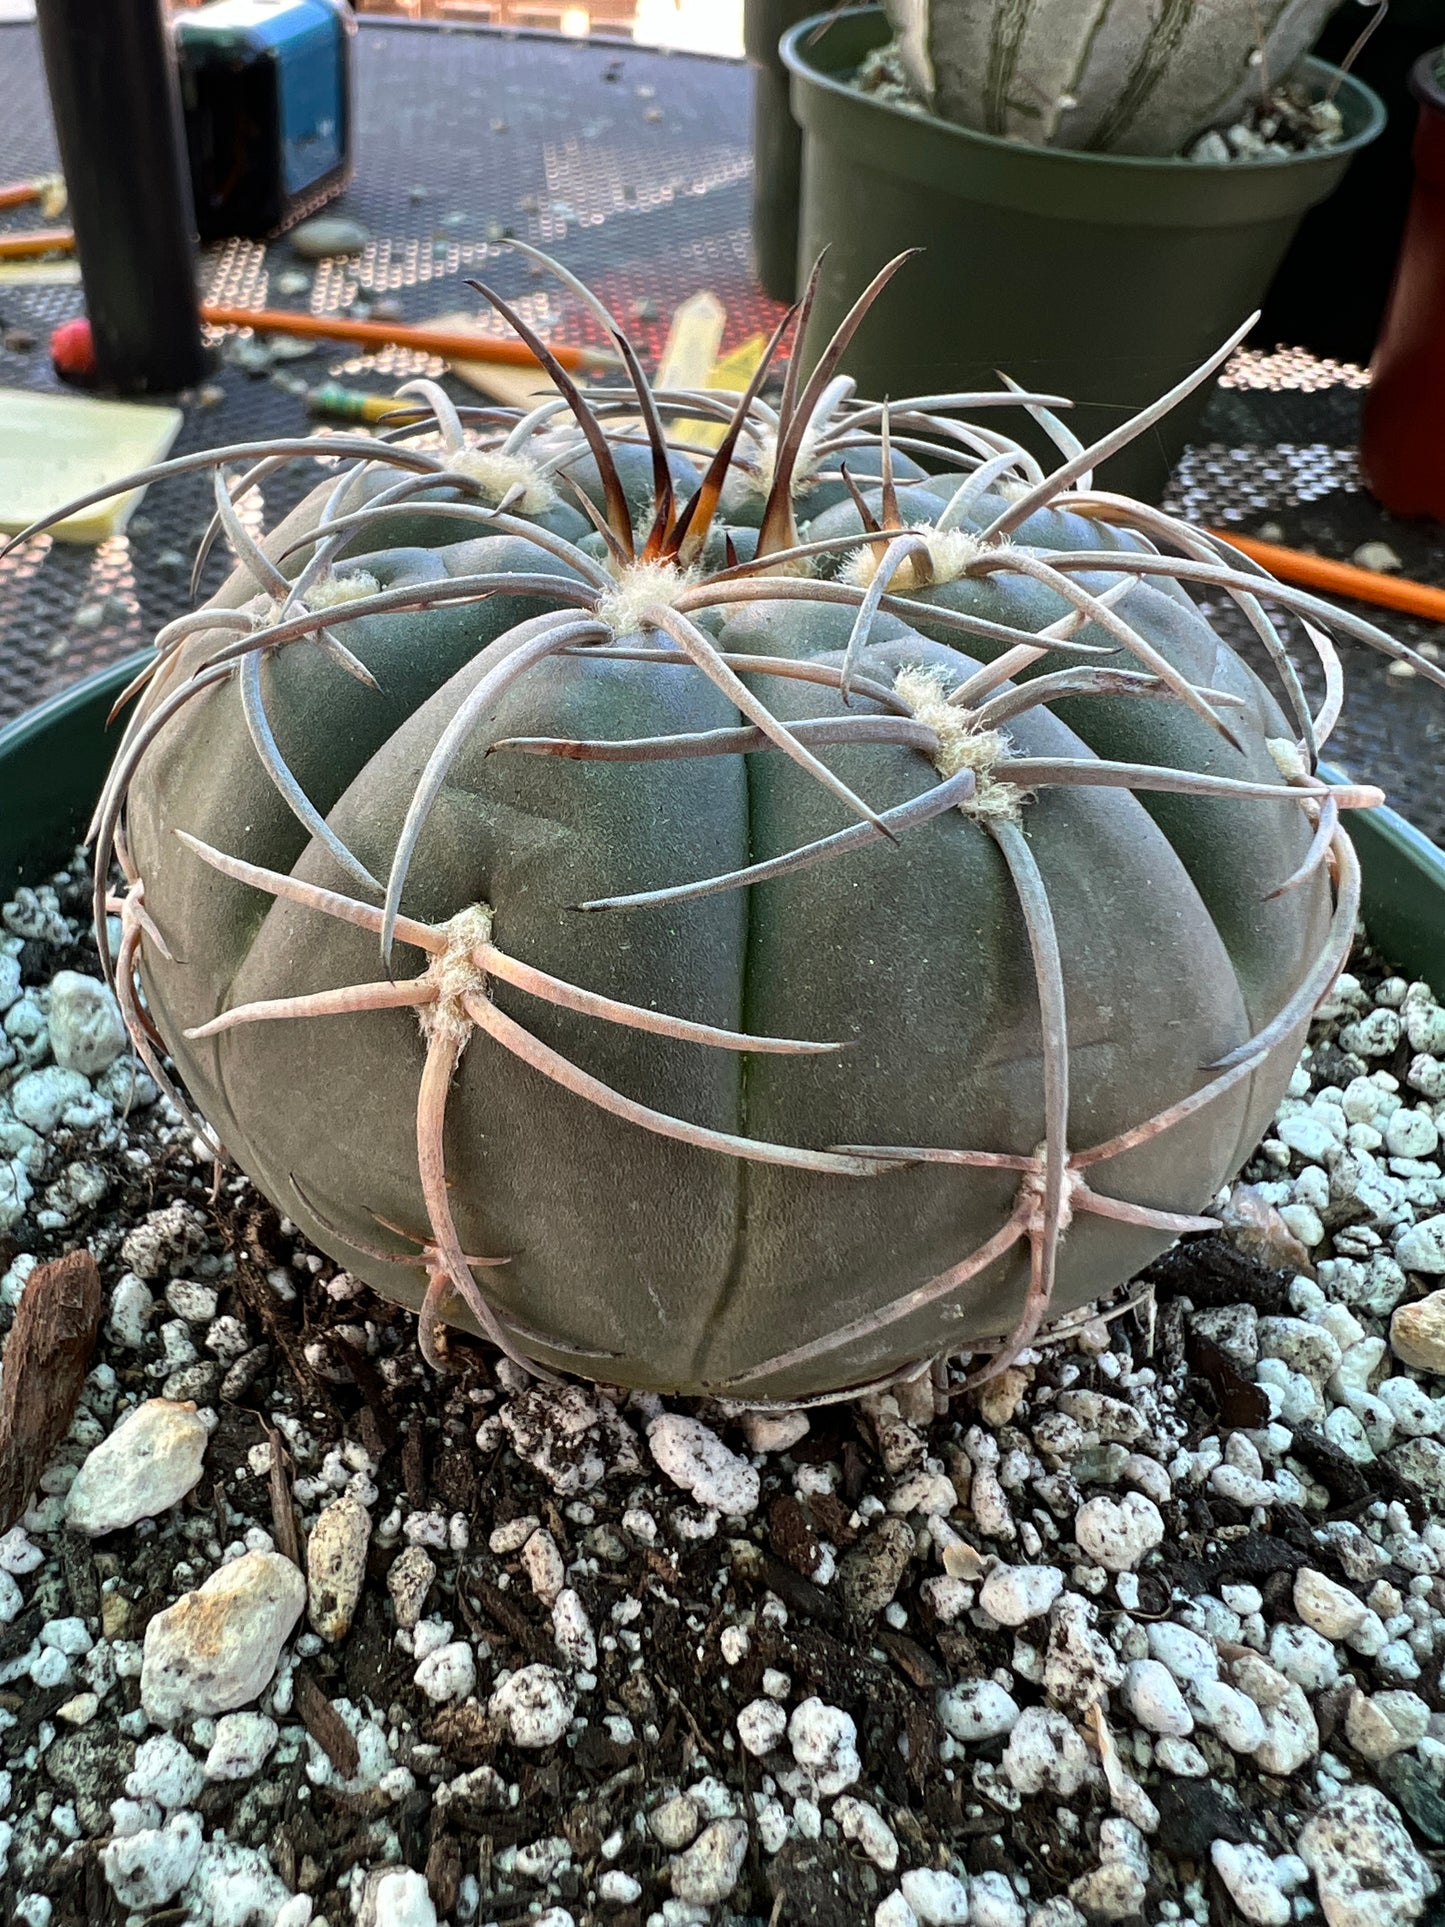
336,1566
409,1581
217,1648
869,1573
1422,1462
328,234
148,1464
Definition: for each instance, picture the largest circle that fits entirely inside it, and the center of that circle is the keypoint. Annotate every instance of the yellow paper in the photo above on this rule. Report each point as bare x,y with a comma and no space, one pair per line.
692,341
55,447
729,377
39,274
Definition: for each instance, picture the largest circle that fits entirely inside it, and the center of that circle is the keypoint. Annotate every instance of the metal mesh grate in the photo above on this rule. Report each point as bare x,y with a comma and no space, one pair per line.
632,164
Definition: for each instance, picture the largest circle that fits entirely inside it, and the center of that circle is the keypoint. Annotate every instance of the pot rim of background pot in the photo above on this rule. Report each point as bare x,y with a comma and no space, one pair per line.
927,150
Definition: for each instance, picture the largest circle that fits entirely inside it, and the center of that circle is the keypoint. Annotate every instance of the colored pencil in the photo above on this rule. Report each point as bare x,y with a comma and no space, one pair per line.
450,344
1342,578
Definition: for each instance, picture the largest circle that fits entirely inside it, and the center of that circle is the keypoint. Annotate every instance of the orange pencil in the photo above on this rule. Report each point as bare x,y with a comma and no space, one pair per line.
1342,578
39,240
22,193
451,344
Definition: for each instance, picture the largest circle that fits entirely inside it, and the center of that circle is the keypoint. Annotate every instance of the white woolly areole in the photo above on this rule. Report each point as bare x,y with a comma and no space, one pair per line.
497,474
961,743
332,590
641,587
454,973
1288,758
759,454
950,554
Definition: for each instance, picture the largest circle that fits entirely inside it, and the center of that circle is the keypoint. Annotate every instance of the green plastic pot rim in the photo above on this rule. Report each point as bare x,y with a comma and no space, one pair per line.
1057,183
53,709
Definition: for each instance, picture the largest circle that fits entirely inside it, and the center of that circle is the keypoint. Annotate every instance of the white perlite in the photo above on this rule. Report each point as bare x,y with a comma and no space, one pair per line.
165,1772
1015,1594
536,1704
148,1868
448,1673
1253,1883
695,1458
863,1823
402,1900
1045,1754
708,1871
977,1710
241,1747
938,1899
1117,1533
824,1740
761,1725
1364,1862
1153,1697
572,1632
216,1648
148,1464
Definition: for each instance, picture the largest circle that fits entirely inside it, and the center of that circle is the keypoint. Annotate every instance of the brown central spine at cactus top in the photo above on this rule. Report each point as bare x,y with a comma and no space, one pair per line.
755,917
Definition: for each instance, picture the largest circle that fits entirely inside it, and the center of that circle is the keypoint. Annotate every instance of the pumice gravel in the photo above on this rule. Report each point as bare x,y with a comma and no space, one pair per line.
1152,1628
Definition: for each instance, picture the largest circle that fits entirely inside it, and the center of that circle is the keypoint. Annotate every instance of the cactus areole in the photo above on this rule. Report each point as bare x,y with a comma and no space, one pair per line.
763,957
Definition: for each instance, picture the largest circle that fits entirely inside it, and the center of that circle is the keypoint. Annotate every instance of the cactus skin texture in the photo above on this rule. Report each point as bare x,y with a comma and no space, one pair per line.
760,977
1117,76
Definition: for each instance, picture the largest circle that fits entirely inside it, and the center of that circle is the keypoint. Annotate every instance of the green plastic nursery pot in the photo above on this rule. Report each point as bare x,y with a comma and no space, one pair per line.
1102,277
54,758
777,145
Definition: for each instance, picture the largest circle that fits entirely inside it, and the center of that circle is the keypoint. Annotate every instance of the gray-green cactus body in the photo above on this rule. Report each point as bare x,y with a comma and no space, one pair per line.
1121,76
647,1261
633,462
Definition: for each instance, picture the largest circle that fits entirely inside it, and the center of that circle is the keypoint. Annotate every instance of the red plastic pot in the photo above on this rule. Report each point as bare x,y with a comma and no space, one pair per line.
1402,448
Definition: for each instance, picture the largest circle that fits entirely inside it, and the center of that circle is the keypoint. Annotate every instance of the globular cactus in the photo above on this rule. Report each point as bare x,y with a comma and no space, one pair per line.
1119,76
749,958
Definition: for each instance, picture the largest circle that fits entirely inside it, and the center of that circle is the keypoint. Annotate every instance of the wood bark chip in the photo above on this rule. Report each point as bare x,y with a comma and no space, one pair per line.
46,1358
1241,1404
413,1469
326,1726
283,1513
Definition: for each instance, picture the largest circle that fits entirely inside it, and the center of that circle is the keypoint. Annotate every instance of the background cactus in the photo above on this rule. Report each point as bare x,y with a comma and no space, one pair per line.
1121,76
762,975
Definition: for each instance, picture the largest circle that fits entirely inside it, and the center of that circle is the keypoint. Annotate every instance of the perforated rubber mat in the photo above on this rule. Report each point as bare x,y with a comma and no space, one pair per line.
632,166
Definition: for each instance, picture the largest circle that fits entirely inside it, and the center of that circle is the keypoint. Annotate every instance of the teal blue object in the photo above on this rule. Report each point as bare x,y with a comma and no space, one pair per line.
266,88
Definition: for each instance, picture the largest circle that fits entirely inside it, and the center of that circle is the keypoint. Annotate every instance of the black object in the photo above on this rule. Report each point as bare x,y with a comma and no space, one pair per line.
266,87
777,144
118,126
1330,291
